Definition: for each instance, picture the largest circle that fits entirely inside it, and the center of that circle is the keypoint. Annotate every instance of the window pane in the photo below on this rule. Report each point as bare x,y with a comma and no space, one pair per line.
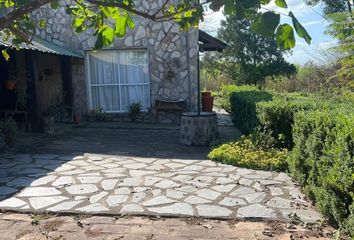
103,67
133,67
106,97
135,94
118,78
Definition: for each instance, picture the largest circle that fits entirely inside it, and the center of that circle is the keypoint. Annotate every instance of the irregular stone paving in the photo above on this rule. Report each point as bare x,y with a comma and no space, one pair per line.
91,184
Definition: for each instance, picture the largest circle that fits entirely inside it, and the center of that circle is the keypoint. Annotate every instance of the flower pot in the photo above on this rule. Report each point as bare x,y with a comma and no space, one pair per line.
207,103
10,85
77,118
206,94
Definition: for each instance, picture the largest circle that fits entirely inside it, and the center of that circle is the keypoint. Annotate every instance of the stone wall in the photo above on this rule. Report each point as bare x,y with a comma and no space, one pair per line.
173,53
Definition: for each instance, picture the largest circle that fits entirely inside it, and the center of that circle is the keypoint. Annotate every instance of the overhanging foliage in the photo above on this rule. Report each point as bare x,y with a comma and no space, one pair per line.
110,19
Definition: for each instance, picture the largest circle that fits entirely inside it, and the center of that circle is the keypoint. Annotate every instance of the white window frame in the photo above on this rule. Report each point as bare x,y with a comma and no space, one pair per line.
89,85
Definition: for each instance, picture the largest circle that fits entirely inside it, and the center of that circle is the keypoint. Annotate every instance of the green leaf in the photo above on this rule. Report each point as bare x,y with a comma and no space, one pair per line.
77,22
215,5
281,3
42,23
285,36
266,23
130,22
9,3
108,36
230,7
99,41
54,4
265,2
249,3
121,23
300,30
5,55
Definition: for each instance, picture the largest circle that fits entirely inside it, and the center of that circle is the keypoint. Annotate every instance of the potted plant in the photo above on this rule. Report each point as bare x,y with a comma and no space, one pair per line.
96,115
207,101
8,129
77,117
133,110
10,83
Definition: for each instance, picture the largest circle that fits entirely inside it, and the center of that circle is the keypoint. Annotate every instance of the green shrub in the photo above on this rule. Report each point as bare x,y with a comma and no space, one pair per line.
226,92
96,114
8,131
272,111
322,160
133,110
243,108
278,115
244,153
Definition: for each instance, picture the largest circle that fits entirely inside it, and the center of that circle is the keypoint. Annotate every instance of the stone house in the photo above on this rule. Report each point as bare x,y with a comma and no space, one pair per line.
154,61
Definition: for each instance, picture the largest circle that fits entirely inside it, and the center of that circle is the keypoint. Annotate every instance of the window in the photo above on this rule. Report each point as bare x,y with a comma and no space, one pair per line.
118,78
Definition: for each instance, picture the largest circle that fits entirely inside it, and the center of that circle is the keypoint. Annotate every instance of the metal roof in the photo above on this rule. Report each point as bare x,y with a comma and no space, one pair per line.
38,44
210,43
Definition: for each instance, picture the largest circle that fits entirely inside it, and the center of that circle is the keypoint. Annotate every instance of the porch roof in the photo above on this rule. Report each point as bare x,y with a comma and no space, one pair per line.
40,45
210,43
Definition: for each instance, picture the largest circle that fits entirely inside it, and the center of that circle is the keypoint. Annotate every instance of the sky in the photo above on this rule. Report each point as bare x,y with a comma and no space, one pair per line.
310,17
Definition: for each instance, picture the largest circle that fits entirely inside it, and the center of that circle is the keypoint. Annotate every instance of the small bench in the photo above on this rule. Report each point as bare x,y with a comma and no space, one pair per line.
162,105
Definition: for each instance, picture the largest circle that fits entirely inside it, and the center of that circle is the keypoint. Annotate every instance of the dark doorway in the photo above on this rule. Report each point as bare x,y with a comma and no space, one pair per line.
8,96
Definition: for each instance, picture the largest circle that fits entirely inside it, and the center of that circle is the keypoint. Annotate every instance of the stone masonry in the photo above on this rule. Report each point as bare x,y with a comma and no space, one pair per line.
198,130
172,53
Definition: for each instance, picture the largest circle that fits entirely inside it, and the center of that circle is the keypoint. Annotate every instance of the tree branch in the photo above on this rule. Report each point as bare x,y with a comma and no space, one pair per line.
157,12
20,11
122,6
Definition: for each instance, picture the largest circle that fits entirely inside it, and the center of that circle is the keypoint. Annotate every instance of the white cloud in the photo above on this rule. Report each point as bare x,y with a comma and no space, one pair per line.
327,45
212,21
296,6
311,23
301,43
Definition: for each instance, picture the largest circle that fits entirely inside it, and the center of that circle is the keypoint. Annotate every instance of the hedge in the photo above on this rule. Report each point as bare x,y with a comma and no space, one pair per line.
320,133
243,107
322,160
278,115
272,111
228,90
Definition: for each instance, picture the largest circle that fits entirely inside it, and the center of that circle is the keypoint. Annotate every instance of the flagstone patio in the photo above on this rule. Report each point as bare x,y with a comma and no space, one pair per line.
138,169
120,184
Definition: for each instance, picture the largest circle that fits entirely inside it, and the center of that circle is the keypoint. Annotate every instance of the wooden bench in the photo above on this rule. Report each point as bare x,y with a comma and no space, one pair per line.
162,105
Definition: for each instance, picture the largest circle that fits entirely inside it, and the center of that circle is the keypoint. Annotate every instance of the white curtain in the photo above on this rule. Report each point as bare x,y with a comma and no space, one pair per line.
118,78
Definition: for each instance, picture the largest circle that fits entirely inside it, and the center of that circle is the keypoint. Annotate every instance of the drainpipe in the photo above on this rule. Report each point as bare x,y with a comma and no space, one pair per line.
198,63
189,70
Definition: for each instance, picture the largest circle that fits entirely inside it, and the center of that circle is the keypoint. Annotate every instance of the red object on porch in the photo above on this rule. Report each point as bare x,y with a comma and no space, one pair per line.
10,85
207,102
77,118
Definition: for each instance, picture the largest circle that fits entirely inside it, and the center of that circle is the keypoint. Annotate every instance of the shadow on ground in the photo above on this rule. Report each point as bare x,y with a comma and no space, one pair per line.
113,139
124,139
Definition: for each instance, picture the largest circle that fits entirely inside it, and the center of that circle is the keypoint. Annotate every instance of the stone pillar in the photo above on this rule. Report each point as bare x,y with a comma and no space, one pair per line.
199,130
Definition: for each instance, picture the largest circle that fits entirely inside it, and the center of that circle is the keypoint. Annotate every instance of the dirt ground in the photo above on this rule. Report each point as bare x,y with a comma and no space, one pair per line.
43,227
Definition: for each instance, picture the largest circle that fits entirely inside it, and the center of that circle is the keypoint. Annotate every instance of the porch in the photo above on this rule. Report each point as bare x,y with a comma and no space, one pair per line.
35,82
